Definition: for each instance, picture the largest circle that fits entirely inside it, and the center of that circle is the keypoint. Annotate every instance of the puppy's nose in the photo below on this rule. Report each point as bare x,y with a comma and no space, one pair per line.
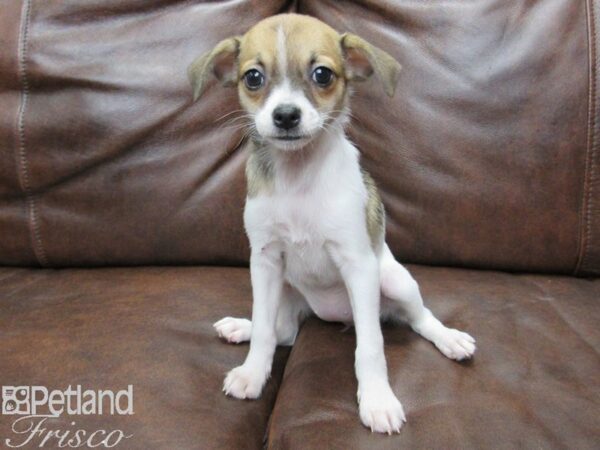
286,116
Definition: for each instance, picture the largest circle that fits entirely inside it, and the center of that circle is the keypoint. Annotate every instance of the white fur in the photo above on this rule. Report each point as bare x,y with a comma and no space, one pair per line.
310,252
283,94
282,51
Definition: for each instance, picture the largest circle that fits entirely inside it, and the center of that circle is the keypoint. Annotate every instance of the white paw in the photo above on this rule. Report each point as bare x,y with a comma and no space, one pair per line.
455,344
243,382
380,410
233,330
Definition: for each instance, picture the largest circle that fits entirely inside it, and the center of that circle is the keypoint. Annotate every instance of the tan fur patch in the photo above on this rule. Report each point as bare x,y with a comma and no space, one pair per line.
375,211
313,44
259,170
363,59
221,62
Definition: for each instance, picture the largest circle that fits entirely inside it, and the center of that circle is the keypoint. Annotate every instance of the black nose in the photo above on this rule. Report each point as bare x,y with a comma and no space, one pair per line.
286,116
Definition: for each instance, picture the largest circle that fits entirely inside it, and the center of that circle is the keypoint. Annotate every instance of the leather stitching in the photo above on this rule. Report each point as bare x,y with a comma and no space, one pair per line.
594,141
586,209
23,169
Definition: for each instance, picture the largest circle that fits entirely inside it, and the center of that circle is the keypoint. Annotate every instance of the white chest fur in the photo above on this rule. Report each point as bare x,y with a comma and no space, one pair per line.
316,200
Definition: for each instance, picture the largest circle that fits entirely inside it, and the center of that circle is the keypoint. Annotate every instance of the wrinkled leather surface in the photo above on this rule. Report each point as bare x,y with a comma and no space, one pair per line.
485,157
119,166
149,327
481,154
532,384
589,255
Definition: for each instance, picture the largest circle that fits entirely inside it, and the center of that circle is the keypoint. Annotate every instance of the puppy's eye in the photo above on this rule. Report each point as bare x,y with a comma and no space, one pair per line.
322,76
253,79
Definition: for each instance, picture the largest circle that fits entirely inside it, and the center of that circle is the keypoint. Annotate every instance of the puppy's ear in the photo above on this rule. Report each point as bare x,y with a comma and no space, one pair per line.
363,59
221,62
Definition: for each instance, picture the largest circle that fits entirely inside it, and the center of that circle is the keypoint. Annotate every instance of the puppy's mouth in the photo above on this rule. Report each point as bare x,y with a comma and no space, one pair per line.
289,137
289,142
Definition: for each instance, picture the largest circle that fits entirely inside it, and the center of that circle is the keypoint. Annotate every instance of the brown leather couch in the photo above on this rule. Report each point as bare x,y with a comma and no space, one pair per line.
121,234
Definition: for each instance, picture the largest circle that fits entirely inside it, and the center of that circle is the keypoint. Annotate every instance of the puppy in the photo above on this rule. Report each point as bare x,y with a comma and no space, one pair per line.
314,218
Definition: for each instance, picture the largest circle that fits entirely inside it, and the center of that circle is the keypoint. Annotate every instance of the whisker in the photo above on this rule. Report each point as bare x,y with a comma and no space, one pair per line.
237,122
229,114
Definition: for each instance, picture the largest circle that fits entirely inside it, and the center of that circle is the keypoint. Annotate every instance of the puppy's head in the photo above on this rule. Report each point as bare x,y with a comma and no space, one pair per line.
292,73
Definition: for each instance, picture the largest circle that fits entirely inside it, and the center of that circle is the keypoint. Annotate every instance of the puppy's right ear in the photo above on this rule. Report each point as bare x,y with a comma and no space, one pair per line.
221,62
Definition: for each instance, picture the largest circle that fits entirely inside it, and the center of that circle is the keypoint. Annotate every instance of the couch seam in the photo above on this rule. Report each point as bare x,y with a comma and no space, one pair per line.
586,206
267,432
22,162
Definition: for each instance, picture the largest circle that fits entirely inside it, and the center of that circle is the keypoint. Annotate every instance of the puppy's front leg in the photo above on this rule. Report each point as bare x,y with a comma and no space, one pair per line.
379,408
266,272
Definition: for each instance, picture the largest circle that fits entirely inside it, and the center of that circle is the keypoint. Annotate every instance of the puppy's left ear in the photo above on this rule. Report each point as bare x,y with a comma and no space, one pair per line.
364,59
221,62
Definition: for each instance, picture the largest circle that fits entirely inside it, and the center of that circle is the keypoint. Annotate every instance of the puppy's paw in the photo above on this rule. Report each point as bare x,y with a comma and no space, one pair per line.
244,382
234,330
380,410
455,344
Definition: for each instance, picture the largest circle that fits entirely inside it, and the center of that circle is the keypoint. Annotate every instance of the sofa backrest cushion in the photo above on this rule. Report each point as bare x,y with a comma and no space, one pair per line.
486,157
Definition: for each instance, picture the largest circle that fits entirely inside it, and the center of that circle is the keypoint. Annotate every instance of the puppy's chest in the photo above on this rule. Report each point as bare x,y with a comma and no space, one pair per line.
303,229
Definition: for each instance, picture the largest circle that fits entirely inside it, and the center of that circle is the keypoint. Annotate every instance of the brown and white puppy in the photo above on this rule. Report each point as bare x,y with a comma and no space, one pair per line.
314,219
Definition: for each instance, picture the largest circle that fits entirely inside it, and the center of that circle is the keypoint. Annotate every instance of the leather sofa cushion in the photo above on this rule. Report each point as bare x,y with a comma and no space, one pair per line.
482,154
105,160
532,384
484,157
148,327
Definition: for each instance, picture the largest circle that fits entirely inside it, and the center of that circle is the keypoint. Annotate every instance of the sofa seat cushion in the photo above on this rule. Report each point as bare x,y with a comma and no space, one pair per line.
534,382
146,327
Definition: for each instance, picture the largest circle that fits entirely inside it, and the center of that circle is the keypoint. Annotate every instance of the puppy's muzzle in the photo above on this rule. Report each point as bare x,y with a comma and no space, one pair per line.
287,117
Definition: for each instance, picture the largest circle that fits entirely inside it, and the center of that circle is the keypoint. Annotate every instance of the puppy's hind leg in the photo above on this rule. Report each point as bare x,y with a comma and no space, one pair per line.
404,300
292,309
